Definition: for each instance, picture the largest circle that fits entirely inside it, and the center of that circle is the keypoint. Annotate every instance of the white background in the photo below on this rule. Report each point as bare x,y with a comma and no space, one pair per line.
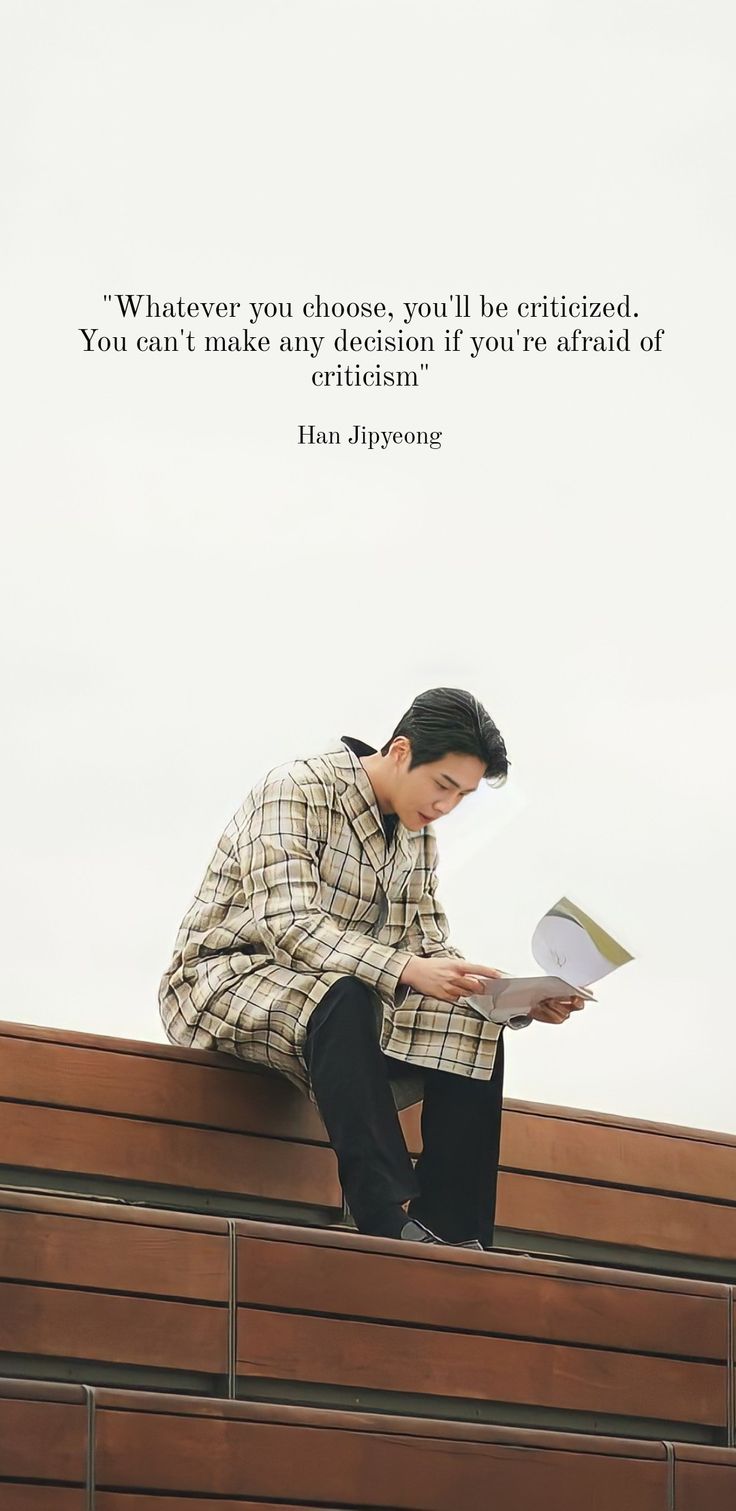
189,596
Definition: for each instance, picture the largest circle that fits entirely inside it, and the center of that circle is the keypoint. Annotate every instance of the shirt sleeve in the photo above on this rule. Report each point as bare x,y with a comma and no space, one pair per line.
428,933
278,852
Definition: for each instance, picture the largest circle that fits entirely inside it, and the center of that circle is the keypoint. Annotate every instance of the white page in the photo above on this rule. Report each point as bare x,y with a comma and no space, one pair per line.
567,941
521,993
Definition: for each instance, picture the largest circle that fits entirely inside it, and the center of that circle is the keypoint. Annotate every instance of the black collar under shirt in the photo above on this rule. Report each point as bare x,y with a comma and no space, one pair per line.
389,820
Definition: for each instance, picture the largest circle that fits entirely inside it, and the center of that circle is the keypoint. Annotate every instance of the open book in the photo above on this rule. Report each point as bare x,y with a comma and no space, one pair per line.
575,952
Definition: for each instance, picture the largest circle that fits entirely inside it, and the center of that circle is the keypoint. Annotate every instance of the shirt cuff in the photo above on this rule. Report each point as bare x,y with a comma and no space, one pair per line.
392,972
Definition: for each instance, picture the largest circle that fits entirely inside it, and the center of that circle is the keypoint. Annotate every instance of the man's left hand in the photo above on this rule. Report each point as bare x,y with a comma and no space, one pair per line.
556,1010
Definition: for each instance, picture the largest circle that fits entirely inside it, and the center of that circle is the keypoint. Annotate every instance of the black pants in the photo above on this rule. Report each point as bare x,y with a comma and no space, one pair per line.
453,1187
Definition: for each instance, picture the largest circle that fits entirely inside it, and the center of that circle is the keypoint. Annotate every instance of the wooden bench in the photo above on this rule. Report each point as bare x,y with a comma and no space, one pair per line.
155,1124
109,1294
64,1448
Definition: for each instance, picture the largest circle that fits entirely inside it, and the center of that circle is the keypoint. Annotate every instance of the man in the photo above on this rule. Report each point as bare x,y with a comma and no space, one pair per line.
317,946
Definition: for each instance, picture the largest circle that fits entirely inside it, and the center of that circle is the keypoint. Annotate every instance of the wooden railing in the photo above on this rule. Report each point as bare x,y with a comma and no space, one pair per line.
186,1318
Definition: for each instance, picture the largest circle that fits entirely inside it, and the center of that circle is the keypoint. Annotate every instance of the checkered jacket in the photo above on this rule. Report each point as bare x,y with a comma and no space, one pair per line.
303,889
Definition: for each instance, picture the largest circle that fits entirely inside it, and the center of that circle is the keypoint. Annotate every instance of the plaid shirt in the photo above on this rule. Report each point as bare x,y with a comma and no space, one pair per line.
302,890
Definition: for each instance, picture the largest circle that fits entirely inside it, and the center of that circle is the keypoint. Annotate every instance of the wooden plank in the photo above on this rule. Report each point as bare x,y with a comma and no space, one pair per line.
184,1087
224,1095
584,1119
395,1470
110,1251
33,1034
44,1498
620,1120
74,1324
163,1404
563,1263
108,1500
371,1356
42,1439
14,1198
594,1152
705,1478
705,1487
649,1157
539,1301
609,1215
50,1138
400,1464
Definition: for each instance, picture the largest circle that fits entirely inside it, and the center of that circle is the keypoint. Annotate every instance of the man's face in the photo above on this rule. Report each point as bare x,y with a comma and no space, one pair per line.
422,794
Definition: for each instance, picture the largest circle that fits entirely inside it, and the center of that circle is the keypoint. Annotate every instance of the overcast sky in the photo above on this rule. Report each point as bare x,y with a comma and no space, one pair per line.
190,596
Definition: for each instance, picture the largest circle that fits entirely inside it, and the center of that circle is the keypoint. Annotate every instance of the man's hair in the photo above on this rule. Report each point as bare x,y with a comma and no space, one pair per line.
446,721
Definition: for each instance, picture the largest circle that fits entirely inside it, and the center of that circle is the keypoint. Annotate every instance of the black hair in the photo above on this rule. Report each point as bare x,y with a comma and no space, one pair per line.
446,721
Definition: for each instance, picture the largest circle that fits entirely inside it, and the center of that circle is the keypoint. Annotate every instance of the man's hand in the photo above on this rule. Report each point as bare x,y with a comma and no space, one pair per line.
445,977
556,1009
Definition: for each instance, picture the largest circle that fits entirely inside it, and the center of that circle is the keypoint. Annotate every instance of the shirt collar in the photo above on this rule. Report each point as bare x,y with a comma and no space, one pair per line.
362,797
358,747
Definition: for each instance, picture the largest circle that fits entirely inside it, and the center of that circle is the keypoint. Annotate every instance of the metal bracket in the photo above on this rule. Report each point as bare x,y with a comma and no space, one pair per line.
669,1449
89,1487
731,1367
232,1311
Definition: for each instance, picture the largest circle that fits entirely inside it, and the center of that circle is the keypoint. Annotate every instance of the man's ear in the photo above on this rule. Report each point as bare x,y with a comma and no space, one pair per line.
400,748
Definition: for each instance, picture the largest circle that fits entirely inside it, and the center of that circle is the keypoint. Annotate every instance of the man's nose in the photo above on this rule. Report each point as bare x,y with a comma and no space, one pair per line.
446,804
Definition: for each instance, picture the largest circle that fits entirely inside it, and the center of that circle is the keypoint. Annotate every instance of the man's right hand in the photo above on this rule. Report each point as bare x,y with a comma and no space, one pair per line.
445,977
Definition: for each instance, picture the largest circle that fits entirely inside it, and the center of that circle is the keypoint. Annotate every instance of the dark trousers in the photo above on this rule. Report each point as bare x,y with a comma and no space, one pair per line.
452,1189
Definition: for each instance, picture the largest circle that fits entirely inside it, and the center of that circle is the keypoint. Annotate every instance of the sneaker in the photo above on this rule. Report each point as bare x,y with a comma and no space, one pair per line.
416,1232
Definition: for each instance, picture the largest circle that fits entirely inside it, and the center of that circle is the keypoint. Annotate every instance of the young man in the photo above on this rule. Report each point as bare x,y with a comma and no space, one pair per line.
316,945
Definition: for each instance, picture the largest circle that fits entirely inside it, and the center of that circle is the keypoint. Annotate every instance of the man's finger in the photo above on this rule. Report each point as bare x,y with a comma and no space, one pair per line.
554,1010
479,970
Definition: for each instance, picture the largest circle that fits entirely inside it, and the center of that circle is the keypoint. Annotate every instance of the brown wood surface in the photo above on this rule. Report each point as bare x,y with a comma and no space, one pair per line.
15,1198
531,1262
42,1439
50,1138
153,1048
186,1102
596,1152
705,1487
108,1500
704,1453
75,1324
226,1456
222,1095
109,1253
43,1138
274,1085
610,1215
371,1356
34,1034
648,1156
168,1448
614,1120
485,1296
44,1498
163,1404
